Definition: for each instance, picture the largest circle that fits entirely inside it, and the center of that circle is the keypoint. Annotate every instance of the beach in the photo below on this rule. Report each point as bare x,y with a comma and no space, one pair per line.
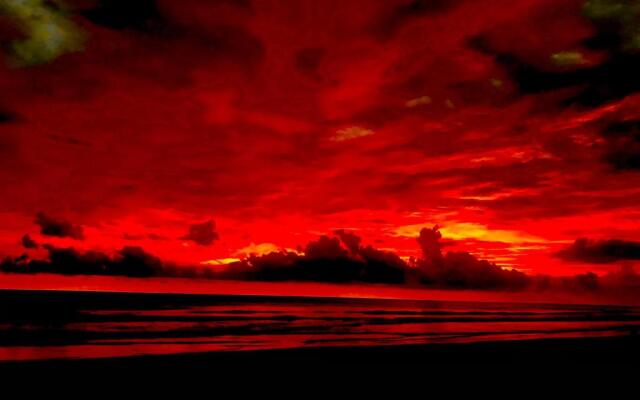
543,352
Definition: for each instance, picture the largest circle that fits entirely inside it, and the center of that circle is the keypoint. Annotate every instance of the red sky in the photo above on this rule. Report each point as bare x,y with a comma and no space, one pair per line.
285,120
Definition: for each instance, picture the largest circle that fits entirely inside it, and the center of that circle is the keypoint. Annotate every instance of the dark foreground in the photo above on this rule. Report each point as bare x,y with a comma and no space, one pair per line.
544,352
131,330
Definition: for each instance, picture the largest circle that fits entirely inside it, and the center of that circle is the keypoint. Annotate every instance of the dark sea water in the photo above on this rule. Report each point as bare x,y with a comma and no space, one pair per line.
48,325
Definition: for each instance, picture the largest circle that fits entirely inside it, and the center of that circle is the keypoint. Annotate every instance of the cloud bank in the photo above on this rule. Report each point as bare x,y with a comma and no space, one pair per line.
342,258
601,251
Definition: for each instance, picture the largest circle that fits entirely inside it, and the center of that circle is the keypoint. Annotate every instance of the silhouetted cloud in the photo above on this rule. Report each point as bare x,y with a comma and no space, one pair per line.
28,243
429,242
129,261
339,258
344,259
52,226
460,269
324,260
601,251
325,247
203,234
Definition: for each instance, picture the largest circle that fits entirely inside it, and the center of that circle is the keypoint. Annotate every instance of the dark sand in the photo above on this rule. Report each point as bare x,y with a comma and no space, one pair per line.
549,352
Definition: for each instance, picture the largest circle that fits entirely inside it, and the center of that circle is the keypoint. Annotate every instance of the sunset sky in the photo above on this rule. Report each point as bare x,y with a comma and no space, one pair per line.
205,131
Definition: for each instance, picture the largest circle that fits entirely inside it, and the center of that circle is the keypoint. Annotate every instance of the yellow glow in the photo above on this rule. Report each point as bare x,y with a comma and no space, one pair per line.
469,230
518,249
260,249
501,260
220,261
420,101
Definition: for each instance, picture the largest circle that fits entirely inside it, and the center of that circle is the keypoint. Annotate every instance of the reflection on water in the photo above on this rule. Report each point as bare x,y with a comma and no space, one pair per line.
70,327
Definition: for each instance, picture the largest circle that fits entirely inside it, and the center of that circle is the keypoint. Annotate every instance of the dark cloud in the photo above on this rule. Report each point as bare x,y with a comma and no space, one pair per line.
350,240
344,259
408,10
28,242
460,269
193,30
615,21
324,260
326,248
429,242
601,251
129,261
424,7
308,61
52,226
234,42
622,145
6,117
9,30
381,266
592,85
140,15
203,234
